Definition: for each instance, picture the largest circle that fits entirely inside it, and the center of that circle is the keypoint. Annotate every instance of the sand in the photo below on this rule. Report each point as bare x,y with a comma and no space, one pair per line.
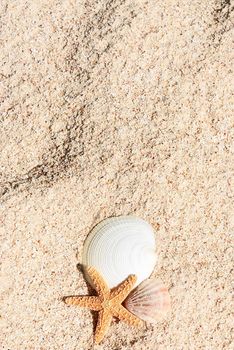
109,108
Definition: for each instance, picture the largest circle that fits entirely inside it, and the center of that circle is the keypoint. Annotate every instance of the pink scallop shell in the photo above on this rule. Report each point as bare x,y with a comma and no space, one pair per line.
150,301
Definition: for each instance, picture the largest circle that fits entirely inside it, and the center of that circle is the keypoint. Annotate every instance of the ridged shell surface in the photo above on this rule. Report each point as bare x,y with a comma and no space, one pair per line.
150,301
121,246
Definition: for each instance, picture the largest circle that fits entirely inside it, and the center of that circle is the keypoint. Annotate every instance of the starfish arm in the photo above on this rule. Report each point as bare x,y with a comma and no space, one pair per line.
123,314
99,283
123,289
104,321
92,303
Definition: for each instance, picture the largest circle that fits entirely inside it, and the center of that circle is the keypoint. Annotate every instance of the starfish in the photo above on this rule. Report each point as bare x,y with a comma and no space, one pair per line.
108,303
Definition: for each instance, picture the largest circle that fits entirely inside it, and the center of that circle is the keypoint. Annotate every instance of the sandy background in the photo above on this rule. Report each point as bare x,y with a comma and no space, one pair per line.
108,108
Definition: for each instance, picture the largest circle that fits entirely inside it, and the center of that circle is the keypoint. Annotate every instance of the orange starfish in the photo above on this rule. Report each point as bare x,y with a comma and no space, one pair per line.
108,303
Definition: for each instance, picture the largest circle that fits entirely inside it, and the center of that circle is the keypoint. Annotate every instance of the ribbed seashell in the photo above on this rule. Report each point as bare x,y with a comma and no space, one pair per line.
150,301
121,246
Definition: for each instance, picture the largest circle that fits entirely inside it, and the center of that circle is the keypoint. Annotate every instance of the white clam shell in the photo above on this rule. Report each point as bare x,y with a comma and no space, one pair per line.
150,301
121,246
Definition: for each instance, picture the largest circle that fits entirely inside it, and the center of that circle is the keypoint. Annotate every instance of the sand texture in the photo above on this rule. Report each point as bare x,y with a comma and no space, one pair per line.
109,108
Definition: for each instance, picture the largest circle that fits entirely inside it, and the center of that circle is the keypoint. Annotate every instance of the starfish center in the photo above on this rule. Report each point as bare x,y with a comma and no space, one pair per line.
106,304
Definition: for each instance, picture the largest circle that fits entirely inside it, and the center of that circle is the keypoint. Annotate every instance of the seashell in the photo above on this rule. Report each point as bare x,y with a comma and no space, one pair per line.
150,301
121,246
